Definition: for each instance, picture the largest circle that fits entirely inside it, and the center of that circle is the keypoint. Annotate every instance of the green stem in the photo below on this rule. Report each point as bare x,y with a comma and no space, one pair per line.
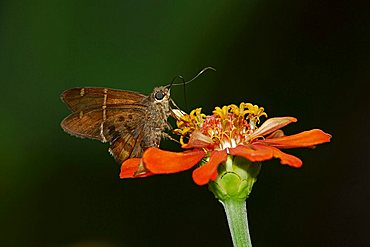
236,213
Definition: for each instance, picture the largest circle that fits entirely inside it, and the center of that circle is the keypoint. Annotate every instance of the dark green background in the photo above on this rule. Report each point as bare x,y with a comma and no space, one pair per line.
308,59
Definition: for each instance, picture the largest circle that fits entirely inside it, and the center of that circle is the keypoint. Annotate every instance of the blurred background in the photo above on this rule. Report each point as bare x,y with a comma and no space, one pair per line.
308,59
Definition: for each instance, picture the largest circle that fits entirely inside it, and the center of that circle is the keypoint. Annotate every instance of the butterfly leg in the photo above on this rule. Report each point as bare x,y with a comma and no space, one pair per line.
167,136
169,126
141,169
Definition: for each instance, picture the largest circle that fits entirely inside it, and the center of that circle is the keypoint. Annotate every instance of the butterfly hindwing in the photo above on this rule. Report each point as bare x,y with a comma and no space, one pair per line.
126,146
106,124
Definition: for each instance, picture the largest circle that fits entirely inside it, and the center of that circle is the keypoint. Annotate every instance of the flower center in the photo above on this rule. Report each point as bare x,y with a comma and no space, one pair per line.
228,127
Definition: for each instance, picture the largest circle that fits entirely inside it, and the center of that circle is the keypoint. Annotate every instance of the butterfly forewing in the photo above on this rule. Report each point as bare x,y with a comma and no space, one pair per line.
90,97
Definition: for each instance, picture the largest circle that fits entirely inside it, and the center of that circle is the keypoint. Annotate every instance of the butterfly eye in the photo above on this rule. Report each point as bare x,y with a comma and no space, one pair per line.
159,95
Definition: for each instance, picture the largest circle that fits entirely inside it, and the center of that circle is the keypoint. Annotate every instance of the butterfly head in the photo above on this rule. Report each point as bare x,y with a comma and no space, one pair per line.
161,94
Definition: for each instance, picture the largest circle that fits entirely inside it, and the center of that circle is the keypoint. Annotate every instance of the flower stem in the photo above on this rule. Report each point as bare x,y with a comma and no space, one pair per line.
236,213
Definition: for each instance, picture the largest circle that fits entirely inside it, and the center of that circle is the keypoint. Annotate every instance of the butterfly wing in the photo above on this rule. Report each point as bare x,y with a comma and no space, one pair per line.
82,98
104,124
126,146
108,115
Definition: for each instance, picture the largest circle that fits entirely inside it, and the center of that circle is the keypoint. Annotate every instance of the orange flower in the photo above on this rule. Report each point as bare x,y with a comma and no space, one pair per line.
231,130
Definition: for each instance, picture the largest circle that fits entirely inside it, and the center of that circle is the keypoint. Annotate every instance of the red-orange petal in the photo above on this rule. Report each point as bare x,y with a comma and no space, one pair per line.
304,139
285,159
253,155
203,174
163,162
130,167
271,125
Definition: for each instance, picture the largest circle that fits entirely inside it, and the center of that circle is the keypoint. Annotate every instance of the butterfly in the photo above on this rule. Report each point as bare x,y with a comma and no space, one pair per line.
129,121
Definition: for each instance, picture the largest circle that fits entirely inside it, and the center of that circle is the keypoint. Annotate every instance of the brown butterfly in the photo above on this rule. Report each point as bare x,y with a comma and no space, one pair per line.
129,121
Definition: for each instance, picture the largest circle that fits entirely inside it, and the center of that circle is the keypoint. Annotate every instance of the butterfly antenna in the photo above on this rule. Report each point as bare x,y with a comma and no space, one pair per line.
186,82
183,83
195,77
173,80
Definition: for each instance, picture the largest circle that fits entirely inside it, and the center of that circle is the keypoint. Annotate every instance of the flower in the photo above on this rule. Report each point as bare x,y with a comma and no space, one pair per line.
230,131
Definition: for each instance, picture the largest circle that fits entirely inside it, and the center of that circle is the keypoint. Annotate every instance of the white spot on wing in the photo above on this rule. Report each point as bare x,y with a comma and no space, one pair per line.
102,132
104,106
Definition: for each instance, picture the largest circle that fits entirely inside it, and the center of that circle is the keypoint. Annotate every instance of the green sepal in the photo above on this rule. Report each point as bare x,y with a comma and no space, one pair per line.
236,178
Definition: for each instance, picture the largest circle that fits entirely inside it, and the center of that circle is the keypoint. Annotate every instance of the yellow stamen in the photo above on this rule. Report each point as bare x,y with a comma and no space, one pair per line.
229,125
